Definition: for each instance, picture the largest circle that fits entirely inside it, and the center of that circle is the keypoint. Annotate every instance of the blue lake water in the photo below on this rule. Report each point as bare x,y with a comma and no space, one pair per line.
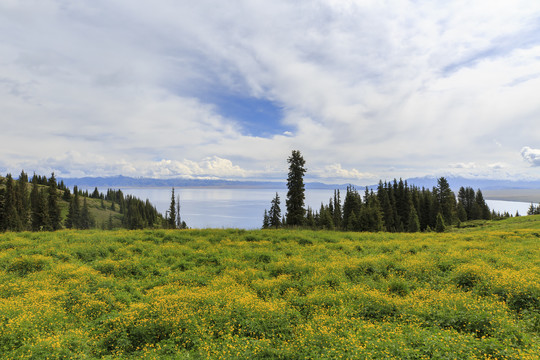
244,208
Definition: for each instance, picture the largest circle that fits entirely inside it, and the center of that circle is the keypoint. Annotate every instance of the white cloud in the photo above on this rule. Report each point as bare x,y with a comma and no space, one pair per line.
335,171
363,85
469,165
530,155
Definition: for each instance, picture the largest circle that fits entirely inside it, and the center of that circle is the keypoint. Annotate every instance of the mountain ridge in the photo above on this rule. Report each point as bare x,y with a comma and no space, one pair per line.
426,181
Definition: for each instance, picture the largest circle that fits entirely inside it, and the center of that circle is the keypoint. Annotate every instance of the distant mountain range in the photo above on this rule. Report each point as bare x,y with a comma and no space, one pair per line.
483,184
427,182
125,181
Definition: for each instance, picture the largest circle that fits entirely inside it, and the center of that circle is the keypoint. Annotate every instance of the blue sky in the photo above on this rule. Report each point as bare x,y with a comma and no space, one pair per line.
366,90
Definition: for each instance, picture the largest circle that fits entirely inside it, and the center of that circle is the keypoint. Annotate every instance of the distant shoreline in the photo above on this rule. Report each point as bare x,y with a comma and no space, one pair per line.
520,195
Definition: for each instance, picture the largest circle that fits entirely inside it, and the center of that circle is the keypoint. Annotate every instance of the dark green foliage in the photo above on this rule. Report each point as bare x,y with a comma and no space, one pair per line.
55,220
266,220
171,217
414,223
446,200
274,215
40,212
74,214
41,206
440,226
11,220
86,221
351,205
533,210
295,193
22,201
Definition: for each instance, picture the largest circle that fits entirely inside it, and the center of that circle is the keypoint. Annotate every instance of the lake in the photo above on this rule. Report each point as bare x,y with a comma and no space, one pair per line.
244,208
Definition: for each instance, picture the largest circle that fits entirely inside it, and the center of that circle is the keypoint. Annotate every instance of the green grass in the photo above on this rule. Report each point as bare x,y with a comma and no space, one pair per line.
471,293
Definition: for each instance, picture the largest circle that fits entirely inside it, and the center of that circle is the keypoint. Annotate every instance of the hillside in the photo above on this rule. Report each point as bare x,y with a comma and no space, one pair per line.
105,211
471,293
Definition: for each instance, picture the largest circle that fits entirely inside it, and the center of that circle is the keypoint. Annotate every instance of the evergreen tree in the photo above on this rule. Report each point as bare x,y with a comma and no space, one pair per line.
274,214
2,199
352,222
66,195
23,201
85,220
351,204
337,215
311,222
386,207
370,217
110,225
461,212
73,217
53,207
38,204
178,219
414,223
446,200
295,185
325,218
171,220
10,221
440,226
266,220
484,212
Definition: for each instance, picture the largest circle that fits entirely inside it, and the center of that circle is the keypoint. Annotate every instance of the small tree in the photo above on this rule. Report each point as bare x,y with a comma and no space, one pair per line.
295,194
53,207
414,223
440,226
266,220
171,220
274,214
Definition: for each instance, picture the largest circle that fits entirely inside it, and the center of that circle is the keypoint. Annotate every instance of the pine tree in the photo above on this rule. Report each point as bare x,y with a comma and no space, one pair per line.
414,223
440,226
53,208
73,217
39,219
266,220
110,223
351,204
23,201
85,220
484,211
337,210
274,214
171,220
446,200
296,189
10,221
178,219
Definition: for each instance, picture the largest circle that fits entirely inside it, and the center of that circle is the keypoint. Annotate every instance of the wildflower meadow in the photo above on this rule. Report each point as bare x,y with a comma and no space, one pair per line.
470,293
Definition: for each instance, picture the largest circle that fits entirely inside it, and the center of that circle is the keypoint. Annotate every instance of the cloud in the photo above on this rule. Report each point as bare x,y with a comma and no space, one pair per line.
530,155
335,171
208,167
395,90
469,165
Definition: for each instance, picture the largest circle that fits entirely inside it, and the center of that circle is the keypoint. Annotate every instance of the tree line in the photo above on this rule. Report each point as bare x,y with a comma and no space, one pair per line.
36,205
394,207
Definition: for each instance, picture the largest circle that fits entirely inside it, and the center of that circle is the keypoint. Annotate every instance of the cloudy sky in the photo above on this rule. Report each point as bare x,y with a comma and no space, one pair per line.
366,90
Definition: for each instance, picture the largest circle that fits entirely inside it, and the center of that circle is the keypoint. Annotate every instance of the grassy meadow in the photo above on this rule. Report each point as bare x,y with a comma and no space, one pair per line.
471,293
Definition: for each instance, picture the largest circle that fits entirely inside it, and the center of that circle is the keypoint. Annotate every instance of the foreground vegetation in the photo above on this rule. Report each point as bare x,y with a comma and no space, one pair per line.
473,293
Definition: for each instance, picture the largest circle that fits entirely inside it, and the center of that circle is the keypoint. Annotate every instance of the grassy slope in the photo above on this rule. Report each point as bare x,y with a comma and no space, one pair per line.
100,215
290,294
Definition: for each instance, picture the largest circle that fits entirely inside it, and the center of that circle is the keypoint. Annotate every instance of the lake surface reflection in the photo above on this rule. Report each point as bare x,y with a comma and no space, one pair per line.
244,208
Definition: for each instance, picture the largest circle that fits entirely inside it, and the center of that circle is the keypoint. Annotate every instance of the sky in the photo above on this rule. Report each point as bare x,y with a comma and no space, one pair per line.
366,90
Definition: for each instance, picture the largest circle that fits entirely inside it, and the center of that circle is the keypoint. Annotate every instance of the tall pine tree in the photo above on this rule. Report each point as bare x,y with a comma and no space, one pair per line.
295,194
